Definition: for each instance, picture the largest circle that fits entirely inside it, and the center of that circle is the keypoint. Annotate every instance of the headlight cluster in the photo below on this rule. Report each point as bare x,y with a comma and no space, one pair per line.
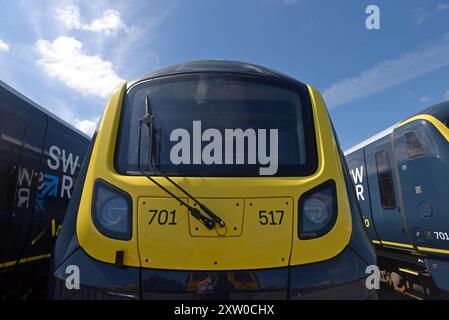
317,211
112,211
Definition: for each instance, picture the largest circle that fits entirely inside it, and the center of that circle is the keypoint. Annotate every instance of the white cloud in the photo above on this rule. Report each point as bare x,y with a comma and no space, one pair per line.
109,23
443,7
446,95
289,2
389,73
64,59
86,126
4,47
419,16
424,99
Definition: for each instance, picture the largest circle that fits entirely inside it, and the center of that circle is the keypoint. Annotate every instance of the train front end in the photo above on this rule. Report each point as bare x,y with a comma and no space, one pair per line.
213,180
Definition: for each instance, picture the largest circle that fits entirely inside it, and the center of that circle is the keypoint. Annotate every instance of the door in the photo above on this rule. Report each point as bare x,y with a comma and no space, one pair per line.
12,132
383,187
357,170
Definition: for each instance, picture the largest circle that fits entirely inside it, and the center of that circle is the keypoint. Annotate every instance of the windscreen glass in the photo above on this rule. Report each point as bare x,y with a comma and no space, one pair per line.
217,125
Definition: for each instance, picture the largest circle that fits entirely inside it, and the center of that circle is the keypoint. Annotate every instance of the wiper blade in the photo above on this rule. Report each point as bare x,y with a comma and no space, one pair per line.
203,207
210,224
148,120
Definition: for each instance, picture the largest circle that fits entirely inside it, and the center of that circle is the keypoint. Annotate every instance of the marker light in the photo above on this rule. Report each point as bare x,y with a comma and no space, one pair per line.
317,211
112,211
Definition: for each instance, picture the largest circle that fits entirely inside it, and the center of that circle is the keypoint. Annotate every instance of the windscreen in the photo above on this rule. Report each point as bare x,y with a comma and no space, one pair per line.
217,125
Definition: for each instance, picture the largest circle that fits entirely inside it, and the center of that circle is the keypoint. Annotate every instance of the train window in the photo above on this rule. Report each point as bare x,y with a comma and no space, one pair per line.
386,188
413,145
6,180
207,108
12,133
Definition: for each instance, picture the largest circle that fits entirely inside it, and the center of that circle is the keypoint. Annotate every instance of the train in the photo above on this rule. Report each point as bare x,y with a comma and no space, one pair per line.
401,179
40,157
213,179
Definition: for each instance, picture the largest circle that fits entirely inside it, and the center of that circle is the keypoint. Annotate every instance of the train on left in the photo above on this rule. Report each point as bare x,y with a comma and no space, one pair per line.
40,156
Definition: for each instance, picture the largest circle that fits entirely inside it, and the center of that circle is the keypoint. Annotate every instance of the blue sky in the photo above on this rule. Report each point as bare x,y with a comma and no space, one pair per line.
69,55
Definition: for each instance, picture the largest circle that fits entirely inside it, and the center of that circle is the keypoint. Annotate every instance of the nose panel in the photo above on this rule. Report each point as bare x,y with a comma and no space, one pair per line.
258,234
229,210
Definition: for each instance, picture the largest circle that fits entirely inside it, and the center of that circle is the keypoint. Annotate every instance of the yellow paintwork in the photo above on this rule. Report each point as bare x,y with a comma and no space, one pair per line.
231,210
434,250
251,246
24,260
188,249
437,123
397,244
409,271
409,246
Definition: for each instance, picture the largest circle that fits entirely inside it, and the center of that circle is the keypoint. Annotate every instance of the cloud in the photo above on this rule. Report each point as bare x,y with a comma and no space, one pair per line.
446,95
443,7
389,73
419,16
86,126
424,99
4,47
290,2
64,59
109,23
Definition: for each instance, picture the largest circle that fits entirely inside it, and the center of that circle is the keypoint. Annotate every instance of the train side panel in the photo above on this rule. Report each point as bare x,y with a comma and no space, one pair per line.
410,214
39,160
423,161
61,160
385,195
22,138
357,170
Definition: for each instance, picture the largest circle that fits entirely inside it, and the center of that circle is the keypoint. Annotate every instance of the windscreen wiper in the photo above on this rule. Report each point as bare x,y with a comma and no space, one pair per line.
148,120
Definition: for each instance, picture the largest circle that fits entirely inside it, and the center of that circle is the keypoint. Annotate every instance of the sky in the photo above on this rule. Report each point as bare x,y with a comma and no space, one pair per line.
68,56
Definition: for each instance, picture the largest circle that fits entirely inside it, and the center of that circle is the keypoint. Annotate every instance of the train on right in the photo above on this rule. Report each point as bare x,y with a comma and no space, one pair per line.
401,178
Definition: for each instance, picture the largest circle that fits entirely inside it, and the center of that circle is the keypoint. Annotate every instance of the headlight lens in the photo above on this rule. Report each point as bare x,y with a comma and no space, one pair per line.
112,211
317,211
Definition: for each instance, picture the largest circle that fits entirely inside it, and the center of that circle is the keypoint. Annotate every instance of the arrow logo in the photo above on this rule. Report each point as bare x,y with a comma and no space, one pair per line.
50,188
50,185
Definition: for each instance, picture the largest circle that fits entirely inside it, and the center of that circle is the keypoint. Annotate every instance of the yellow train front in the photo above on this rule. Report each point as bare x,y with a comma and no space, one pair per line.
213,180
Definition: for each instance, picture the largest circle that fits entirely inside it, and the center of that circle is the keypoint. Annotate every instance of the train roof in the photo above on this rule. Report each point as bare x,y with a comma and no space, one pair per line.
230,66
439,111
366,142
41,109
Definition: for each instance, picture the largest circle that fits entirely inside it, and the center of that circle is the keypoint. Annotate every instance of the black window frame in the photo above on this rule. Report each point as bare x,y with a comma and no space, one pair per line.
407,144
388,178
308,114
12,166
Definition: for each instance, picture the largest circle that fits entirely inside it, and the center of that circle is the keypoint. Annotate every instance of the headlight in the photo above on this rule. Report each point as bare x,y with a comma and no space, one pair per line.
112,211
317,211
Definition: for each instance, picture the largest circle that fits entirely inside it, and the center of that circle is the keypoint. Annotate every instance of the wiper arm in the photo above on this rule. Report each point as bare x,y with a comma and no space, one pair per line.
210,224
148,120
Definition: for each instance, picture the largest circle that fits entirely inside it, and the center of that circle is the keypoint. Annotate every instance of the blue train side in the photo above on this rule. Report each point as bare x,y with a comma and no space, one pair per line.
401,178
40,157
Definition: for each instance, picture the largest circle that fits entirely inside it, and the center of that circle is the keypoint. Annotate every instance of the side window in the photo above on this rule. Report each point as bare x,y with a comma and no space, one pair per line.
12,132
446,122
387,196
413,146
